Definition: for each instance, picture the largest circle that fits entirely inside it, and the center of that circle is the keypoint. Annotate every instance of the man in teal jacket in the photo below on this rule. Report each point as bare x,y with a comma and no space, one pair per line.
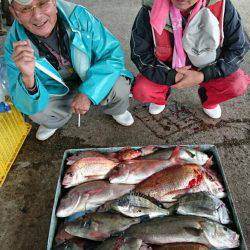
61,59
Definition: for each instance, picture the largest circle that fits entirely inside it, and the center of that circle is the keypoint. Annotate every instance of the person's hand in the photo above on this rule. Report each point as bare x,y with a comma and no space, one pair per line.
179,76
23,57
190,78
80,104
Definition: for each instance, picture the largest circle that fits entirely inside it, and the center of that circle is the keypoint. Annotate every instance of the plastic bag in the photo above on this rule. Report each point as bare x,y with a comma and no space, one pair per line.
4,86
4,83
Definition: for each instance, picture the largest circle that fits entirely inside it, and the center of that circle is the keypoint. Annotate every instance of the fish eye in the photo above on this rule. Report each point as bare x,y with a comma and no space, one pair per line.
211,178
70,174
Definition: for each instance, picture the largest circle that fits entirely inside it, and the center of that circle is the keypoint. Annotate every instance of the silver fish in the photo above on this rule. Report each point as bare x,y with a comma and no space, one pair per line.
202,204
90,195
189,155
99,226
135,205
178,229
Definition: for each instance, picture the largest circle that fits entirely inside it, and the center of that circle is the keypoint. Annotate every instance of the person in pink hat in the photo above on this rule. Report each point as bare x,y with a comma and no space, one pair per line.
178,44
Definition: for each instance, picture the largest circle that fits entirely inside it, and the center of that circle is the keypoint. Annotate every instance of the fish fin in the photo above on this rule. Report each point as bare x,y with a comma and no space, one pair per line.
208,163
148,150
193,231
149,198
176,153
77,203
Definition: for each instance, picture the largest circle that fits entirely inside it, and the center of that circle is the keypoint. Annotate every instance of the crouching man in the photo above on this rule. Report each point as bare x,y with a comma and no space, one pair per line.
61,59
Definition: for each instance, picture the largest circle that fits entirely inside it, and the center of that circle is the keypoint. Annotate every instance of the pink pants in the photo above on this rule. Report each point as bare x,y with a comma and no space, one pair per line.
211,93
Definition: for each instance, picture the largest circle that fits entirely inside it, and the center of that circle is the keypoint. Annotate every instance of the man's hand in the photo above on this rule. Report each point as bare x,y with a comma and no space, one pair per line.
190,78
23,57
80,104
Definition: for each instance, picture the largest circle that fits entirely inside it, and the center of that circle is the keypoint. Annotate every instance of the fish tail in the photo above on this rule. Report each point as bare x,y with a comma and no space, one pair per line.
209,163
176,153
175,156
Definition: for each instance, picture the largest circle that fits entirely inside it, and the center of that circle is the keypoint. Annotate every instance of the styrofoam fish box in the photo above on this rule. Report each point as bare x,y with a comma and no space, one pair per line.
209,149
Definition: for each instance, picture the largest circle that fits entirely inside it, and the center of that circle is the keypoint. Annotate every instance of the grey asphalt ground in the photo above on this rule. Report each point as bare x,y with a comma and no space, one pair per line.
26,198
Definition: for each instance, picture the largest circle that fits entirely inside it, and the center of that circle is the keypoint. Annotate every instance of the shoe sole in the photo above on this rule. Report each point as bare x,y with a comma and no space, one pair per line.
45,138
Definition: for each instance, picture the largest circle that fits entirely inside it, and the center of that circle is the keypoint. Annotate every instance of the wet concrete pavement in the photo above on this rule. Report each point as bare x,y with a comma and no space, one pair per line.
26,198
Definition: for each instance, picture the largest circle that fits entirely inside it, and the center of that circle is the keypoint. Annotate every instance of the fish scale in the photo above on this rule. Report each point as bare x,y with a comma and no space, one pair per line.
90,195
87,169
178,229
171,182
135,171
135,205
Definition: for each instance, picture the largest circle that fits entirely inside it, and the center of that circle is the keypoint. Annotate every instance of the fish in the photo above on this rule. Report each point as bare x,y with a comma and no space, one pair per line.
72,244
194,156
184,229
182,246
88,169
129,153
89,196
121,243
76,157
61,235
135,171
201,204
99,226
135,205
188,155
168,184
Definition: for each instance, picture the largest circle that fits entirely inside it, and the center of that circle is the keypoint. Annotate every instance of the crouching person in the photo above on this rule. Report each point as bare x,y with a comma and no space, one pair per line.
179,44
61,59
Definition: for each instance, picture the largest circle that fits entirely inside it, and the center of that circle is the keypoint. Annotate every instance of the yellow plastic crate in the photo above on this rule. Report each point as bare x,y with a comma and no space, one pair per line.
13,131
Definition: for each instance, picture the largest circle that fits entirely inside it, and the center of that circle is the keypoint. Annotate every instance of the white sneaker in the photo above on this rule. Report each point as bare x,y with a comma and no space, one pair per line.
155,109
214,113
44,133
125,119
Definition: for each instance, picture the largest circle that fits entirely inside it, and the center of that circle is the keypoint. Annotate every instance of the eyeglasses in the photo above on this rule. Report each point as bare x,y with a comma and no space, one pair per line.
29,10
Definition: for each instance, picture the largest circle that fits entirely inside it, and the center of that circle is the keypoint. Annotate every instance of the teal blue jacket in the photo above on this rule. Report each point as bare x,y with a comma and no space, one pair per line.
88,39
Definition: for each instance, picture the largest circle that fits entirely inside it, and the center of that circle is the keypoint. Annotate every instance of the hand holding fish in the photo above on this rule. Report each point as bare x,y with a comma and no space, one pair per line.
191,78
80,104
